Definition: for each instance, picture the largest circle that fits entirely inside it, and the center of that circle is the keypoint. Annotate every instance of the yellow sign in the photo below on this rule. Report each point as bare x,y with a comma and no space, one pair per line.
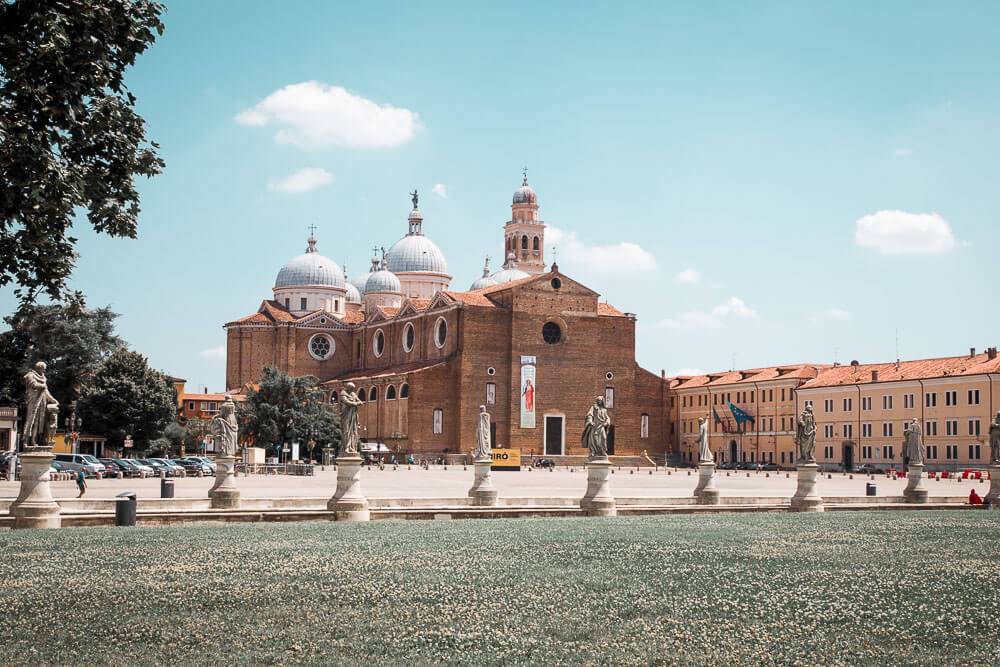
506,459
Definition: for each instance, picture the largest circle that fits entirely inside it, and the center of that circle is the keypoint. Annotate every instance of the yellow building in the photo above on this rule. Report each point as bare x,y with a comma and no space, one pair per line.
765,395
862,409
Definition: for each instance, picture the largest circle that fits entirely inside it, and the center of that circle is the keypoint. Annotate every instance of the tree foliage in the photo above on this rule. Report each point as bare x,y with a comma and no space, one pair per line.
69,135
286,409
70,338
125,396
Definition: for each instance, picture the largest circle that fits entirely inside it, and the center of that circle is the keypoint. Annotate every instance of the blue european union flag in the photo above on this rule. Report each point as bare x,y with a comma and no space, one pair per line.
740,415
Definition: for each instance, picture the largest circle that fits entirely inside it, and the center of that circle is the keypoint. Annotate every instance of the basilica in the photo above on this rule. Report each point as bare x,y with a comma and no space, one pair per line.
528,342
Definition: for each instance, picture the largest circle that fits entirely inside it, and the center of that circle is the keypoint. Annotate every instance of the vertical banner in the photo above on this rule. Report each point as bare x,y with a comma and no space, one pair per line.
527,392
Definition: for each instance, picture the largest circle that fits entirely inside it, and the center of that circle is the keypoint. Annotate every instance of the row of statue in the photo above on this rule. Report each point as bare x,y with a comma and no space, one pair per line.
43,410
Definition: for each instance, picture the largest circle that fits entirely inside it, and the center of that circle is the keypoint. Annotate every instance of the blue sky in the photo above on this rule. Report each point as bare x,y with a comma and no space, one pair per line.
760,182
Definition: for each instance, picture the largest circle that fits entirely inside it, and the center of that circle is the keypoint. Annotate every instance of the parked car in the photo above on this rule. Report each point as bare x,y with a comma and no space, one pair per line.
157,466
144,470
193,467
207,461
770,467
129,468
866,469
174,470
5,464
726,465
746,465
56,466
544,463
111,466
89,464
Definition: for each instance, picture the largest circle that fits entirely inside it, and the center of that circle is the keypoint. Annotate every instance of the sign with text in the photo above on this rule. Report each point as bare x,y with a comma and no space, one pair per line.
506,459
527,393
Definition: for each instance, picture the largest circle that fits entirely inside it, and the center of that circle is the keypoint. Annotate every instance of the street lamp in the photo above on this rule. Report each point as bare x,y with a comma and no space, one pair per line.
73,426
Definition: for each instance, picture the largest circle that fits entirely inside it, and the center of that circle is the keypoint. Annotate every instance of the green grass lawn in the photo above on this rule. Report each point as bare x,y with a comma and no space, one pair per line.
846,587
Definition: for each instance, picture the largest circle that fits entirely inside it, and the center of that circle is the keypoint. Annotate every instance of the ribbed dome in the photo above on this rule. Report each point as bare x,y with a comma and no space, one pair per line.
485,281
359,283
415,252
310,268
508,275
383,281
524,194
353,293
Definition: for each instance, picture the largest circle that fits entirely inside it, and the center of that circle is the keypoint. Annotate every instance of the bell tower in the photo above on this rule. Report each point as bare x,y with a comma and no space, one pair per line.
524,233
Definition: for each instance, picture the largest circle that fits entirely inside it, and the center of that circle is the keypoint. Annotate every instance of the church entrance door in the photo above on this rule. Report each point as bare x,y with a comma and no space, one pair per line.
848,457
553,435
733,454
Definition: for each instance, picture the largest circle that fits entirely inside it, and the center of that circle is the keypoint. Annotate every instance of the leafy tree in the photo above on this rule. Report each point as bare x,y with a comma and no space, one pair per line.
69,135
285,409
174,434
125,396
70,338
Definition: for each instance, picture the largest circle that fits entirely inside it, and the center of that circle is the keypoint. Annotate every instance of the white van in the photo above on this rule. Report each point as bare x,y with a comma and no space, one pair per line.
85,462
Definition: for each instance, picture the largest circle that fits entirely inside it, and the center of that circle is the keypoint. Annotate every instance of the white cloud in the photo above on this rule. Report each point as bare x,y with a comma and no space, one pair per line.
312,115
440,191
698,319
305,179
621,258
902,152
214,353
688,276
899,233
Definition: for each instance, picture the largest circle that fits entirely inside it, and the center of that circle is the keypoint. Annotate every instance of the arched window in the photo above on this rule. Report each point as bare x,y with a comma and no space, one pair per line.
404,391
534,244
373,394
524,242
333,397
390,393
361,395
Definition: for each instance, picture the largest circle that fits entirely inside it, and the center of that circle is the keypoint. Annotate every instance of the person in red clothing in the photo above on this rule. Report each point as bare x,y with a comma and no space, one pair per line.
974,498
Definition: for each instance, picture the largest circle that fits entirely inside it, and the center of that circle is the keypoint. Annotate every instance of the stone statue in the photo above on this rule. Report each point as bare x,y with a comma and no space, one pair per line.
805,436
224,428
995,440
704,453
350,426
914,439
413,197
595,430
42,409
483,445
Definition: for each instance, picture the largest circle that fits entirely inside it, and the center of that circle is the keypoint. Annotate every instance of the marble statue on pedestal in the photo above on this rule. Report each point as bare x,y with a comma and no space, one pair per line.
483,445
913,436
704,452
995,441
805,436
595,430
42,409
350,425
224,428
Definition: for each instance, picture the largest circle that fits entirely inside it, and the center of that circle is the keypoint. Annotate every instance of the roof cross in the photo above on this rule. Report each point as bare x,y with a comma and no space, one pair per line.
312,230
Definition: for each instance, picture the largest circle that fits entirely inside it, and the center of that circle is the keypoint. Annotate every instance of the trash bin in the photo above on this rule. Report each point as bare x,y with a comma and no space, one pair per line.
870,489
125,509
166,488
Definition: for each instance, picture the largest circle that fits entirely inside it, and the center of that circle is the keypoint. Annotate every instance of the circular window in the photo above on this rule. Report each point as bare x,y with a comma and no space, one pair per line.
491,371
378,343
322,320
408,337
440,332
609,375
556,283
321,347
551,333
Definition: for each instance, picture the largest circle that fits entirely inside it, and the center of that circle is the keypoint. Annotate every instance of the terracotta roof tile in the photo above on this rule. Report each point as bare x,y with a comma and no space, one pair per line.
747,376
212,397
388,311
475,298
905,370
420,304
353,317
608,309
502,286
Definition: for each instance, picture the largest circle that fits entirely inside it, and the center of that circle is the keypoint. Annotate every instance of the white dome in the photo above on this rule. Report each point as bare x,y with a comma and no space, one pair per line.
383,281
310,268
524,194
353,293
359,283
485,281
415,253
509,275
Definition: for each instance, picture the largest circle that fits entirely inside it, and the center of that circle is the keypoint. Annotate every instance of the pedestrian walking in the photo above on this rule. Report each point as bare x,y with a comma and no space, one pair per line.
81,482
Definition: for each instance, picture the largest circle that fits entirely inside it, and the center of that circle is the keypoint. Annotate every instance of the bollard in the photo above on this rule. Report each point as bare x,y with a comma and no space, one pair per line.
125,509
631,472
829,476
166,488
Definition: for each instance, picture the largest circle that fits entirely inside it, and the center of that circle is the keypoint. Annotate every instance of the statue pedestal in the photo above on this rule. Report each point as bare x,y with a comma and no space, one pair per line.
706,493
993,497
483,492
915,491
34,506
348,503
598,500
806,499
224,493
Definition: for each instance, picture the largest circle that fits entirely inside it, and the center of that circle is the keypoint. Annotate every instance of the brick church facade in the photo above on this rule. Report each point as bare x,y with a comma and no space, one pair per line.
532,345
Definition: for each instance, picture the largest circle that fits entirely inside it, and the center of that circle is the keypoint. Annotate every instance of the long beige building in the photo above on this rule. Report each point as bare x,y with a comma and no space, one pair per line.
860,409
